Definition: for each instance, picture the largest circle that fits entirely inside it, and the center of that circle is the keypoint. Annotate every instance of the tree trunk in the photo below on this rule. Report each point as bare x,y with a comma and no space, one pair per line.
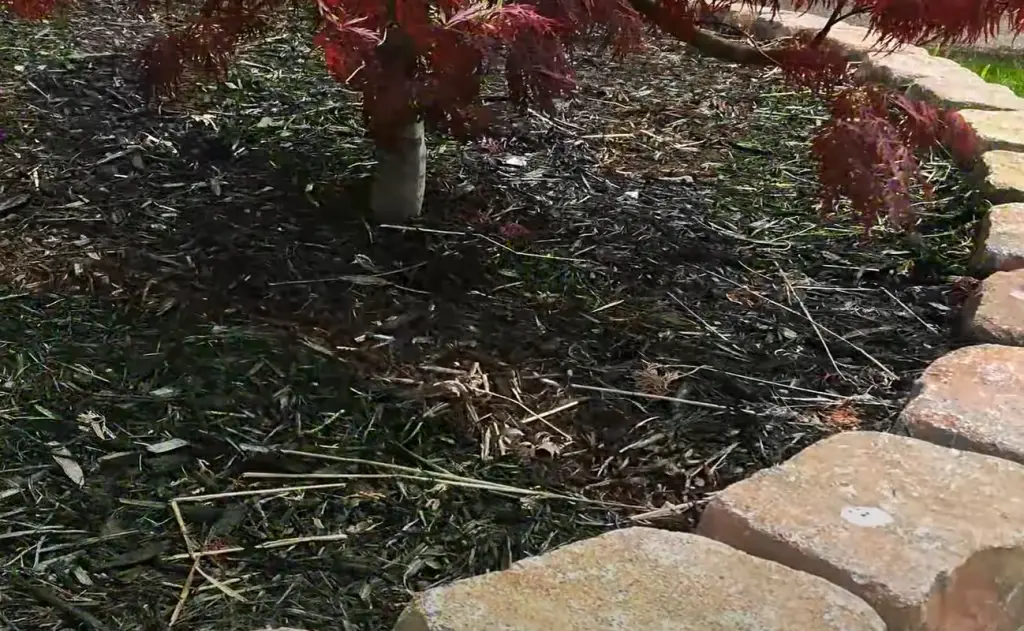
400,176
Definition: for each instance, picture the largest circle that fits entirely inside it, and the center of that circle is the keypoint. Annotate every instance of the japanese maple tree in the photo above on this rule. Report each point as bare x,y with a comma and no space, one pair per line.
422,62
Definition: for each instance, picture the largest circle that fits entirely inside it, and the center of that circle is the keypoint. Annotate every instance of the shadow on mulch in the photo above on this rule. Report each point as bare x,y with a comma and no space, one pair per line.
150,408
609,311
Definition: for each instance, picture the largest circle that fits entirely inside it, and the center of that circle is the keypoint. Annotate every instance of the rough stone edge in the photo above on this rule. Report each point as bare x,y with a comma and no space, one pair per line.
942,435
987,260
783,23
423,612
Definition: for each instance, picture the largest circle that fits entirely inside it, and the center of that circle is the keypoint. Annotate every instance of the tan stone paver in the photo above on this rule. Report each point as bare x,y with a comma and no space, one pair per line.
972,399
641,579
1000,240
1000,176
933,538
995,313
996,129
900,69
853,39
962,89
1004,38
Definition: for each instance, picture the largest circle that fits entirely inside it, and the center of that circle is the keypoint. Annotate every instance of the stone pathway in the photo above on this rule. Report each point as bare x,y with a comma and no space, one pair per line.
862,531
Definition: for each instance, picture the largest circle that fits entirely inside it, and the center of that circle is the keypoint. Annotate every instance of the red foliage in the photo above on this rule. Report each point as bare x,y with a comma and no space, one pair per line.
921,21
820,68
206,44
429,58
414,59
31,9
866,151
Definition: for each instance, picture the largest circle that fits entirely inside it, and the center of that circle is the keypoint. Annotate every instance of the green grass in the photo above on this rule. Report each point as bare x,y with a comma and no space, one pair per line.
994,68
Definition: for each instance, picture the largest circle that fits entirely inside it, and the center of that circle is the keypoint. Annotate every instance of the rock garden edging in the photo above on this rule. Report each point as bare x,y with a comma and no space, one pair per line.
861,531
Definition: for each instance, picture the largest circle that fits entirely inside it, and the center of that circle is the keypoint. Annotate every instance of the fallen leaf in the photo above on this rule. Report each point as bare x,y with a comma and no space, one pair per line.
551,448
164,446
71,468
81,576
13,202
164,392
843,418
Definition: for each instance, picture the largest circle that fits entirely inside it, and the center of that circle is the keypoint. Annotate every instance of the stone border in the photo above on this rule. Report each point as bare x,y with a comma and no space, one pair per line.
861,531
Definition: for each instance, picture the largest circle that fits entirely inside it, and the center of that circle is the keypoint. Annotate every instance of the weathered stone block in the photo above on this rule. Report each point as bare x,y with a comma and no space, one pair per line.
958,91
995,313
931,537
999,244
972,399
641,579
996,129
900,69
1000,176
852,39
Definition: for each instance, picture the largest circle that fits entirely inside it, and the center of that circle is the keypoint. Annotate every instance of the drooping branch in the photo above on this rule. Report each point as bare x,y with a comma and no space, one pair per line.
748,52
707,42
838,15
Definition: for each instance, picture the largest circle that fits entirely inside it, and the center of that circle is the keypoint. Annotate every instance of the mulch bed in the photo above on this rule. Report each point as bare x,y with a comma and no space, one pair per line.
228,400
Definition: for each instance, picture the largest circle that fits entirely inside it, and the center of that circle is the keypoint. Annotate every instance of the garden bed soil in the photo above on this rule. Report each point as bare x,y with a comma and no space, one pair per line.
606,314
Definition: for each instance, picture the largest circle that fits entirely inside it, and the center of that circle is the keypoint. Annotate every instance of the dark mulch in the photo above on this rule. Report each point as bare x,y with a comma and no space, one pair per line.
228,400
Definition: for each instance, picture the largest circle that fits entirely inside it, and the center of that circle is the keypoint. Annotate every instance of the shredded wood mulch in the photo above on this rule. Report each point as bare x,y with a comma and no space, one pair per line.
227,400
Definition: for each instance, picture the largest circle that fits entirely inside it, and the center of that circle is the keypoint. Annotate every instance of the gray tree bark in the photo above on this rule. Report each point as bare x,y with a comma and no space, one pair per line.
400,176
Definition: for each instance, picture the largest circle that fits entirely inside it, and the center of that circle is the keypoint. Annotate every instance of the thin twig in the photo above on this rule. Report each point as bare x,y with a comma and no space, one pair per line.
224,589
452,233
657,397
533,415
47,596
928,326
186,586
228,494
860,350
667,511
266,545
351,278
551,412
549,257
814,325
456,479
736,351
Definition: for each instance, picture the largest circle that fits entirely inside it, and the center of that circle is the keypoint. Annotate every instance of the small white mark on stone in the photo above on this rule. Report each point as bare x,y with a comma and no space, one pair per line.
866,516
995,374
